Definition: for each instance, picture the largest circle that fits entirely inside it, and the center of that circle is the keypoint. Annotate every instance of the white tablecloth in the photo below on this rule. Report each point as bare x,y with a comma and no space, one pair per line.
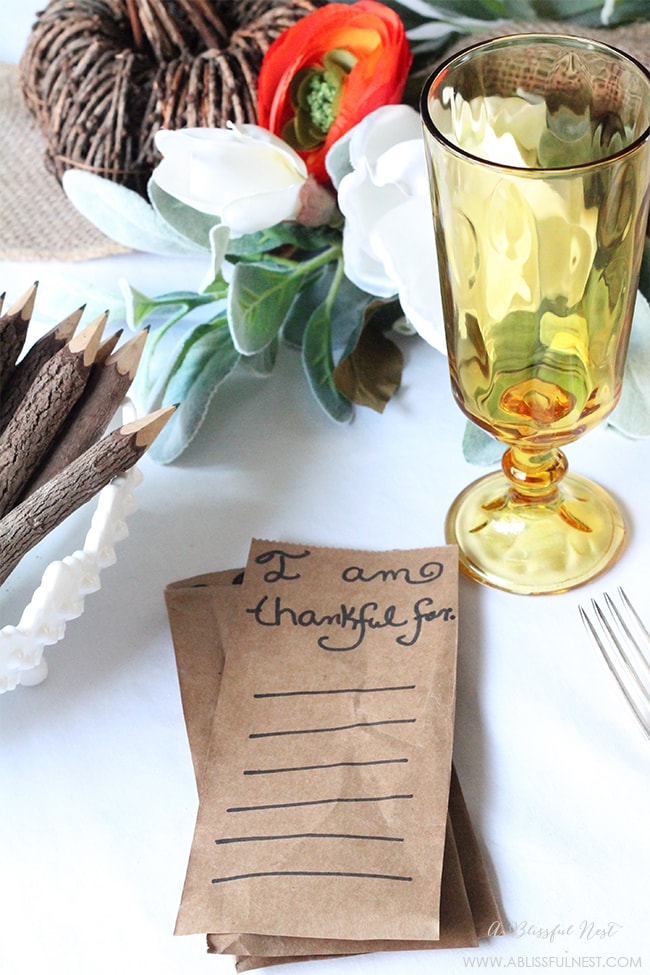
97,794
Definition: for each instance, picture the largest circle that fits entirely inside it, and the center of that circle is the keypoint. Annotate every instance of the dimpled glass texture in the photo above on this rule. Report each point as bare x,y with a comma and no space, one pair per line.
539,163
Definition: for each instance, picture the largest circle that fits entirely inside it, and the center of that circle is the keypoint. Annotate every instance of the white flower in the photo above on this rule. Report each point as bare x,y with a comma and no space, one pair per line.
242,174
388,238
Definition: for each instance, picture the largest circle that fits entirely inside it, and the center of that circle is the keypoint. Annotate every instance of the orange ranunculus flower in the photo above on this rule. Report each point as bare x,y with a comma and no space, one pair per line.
327,72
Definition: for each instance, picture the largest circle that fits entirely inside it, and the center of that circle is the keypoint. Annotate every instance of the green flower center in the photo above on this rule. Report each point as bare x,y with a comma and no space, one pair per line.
321,98
315,95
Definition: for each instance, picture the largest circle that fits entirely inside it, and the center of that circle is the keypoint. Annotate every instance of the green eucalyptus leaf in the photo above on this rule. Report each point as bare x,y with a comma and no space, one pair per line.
314,292
259,298
214,282
205,359
632,415
285,234
348,309
251,247
261,363
319,367
122,214
192,224
337,161
479,447
140,307
304,238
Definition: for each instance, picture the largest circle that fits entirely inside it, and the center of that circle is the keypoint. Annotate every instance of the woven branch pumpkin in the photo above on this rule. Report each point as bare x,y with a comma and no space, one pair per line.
102,76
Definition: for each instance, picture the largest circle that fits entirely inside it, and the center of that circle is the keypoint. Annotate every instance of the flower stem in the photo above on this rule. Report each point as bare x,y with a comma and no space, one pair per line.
313,263
336,282
332,253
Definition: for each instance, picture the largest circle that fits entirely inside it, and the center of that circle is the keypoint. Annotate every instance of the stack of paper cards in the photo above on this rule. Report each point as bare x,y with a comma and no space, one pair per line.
318,688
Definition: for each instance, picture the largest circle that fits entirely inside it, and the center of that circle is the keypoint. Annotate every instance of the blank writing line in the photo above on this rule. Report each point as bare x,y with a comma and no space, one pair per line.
343,727
338,690
308,836
311,768
309,873
317,802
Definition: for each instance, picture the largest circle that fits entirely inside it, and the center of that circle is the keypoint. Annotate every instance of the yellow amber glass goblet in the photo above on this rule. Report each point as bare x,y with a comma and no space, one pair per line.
538,148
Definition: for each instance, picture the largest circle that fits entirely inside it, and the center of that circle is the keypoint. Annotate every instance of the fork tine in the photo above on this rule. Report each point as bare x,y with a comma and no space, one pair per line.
618,661
635,616
628,648
641,667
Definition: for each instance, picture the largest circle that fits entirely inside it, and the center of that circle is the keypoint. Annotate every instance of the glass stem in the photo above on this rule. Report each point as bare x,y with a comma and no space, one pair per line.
534,474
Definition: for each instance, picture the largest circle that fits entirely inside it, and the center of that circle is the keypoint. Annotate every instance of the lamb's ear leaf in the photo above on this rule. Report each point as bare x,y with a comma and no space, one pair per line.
193,225
632,415
203,360
479,447
123,215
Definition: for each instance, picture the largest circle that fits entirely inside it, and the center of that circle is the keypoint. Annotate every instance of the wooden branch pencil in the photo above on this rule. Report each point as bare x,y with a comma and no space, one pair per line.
89,418
26,371
26,524
49,399
13,332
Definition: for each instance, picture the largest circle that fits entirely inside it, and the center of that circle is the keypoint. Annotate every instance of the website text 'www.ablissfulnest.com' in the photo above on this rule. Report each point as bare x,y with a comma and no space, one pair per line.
563,961
583,936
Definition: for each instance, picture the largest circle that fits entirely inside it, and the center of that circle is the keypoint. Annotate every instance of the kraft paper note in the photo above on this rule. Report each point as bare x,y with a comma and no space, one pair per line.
319,697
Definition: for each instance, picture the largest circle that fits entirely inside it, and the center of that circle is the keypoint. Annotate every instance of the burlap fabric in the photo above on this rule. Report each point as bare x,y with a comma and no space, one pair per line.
633,39
37,221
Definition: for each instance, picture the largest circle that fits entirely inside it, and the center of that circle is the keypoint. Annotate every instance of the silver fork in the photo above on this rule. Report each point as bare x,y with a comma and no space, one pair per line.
624,643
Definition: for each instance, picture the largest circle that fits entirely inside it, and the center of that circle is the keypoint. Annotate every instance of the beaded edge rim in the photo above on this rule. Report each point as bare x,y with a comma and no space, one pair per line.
65,583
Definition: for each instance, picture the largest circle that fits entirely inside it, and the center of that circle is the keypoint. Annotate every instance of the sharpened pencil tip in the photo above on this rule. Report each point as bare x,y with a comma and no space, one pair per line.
25,304
127,357
88,339
147,428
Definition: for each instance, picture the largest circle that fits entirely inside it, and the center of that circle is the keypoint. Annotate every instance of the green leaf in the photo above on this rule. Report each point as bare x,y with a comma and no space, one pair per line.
479,447
338,159
205,359
348,309
591,12
191,224
283,234
319,367
262,363
313,293
214,282
123,215
141,309
259,298
632,415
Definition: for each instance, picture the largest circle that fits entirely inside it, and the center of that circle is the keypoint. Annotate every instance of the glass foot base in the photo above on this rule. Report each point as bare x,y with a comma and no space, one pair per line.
536,547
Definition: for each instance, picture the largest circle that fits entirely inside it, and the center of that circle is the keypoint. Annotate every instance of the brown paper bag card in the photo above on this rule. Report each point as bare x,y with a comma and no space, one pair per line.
468,908
456,924
337,703
389,619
